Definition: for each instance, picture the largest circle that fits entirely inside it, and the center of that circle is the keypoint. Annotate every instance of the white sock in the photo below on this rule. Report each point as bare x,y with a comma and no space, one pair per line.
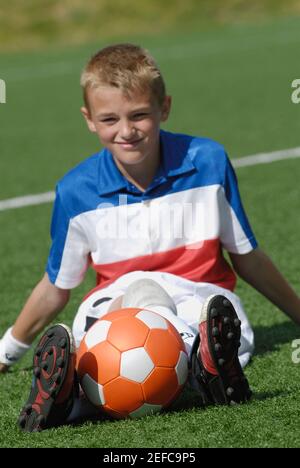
148,294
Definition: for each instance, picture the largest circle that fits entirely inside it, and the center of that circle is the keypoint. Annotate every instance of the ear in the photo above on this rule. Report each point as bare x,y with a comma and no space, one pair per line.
166,107
87,116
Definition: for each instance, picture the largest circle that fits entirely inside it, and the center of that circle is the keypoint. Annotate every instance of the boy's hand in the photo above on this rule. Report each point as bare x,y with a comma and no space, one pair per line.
3,368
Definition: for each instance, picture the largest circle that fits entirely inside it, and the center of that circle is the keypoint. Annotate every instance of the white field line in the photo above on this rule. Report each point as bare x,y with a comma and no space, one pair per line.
252,160
27,200
265,158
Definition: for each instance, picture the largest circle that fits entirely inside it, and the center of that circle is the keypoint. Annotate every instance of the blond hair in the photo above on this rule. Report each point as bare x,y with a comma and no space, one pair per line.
127,67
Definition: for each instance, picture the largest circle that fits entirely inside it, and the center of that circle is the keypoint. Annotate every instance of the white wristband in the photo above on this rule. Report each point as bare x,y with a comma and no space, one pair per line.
11,350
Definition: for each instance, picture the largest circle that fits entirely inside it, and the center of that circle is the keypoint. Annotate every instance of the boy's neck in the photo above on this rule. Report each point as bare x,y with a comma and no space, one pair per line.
140,175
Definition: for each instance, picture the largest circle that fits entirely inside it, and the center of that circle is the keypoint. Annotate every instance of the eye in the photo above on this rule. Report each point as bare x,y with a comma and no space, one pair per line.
140,115
108,120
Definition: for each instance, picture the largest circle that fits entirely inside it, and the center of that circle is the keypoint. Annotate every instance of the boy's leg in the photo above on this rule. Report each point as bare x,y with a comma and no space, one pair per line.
215,364
144,293
215,368
54,385
148,294
189,306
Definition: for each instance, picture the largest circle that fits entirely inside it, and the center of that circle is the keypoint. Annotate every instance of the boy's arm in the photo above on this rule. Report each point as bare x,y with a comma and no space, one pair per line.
44,303
257,269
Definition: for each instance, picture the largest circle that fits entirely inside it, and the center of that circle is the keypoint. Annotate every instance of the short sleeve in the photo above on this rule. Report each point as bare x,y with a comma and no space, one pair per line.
69,254
236,234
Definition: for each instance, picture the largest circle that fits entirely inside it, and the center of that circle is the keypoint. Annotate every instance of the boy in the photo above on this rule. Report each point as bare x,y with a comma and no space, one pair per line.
151,213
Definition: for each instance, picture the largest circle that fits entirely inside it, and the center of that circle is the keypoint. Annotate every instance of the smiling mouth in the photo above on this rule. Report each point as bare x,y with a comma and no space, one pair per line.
129,143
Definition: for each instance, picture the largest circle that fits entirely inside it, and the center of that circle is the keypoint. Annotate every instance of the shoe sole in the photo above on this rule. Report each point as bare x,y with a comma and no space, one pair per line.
224,333
51,362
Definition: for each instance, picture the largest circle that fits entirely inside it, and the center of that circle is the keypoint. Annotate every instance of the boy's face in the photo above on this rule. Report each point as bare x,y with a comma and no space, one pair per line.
127,127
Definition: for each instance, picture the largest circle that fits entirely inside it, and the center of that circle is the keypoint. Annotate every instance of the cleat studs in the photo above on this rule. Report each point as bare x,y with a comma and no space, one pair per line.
215,331
62,342
44,365
218,347
230,335
233,403
221,362
56,378
226,303
226,320
237,322
229,391
39,351
214,312
28,409
37,372
60,362
50,333
22,421
40,419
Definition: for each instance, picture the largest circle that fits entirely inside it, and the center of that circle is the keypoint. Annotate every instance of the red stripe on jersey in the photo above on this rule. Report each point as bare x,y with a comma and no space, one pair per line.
203,263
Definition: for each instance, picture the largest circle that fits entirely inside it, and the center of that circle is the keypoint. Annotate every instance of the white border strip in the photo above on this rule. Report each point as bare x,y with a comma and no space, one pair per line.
252,160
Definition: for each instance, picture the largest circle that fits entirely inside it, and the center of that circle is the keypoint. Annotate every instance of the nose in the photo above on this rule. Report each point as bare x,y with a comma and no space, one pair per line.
127,130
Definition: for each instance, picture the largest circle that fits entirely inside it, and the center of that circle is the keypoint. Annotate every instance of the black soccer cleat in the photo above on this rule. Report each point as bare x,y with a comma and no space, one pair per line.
54,384
215,366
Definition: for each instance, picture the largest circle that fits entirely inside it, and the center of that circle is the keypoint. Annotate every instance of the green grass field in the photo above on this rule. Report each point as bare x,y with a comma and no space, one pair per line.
232,84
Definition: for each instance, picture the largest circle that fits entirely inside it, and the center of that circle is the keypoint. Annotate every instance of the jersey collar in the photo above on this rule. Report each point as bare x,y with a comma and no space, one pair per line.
175,161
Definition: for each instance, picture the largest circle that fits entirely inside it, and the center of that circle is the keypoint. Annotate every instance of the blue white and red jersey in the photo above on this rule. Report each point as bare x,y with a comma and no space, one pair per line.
191,212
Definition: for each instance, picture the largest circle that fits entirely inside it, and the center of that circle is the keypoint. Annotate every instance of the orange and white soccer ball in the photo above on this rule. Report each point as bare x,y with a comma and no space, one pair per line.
132,362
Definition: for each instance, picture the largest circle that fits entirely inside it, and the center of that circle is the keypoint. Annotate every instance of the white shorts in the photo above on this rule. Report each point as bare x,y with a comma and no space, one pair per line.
187,295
